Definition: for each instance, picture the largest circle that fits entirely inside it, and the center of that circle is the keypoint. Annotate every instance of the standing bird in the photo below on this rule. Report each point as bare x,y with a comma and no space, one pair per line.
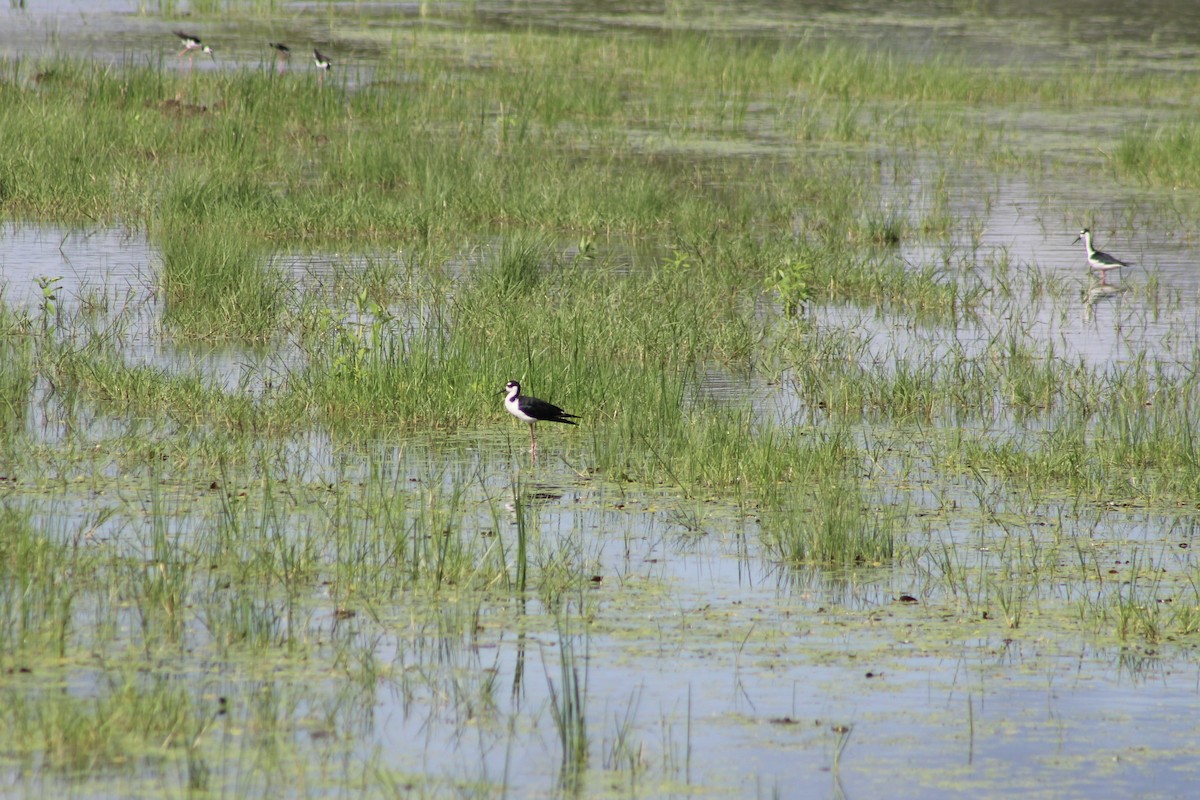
323,65
191,43
1100,262
532,410
282,54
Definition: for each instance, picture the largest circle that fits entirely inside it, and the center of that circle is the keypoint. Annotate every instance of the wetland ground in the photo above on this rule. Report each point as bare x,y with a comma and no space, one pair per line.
875,493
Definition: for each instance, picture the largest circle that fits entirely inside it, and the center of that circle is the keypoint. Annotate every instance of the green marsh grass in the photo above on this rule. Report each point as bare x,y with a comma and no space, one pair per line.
824,513
837,525
517,267
220,286
587,337
18,368
229,569
96,376
1166,155
416,163
1113,450
432,155
38,611
846,276
132,722
222,534
568,710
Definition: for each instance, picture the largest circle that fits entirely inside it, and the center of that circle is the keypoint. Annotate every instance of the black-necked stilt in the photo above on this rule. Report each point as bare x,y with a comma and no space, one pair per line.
192,43
282,53
532,411
1100,262
323,64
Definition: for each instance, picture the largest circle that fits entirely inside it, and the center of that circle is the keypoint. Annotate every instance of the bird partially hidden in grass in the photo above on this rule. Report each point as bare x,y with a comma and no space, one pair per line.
1097,260
282,53
532,410
323,64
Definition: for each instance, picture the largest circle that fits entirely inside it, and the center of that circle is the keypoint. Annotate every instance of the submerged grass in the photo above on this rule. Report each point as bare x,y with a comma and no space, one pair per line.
37,608
131,724
18,369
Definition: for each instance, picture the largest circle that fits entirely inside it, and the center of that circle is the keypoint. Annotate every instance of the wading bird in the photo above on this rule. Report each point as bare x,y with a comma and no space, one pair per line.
282,54
1100,262
532,411
191,44
323,64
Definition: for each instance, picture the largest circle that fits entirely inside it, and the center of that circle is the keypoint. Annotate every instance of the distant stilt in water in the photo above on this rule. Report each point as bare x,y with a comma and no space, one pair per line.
191,43
531,410
1097,260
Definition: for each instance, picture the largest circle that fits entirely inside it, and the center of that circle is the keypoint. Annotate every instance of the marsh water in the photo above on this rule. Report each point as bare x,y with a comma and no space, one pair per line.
707,668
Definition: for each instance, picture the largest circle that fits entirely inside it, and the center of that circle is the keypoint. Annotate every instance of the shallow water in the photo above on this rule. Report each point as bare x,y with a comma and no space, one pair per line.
699,648
714,669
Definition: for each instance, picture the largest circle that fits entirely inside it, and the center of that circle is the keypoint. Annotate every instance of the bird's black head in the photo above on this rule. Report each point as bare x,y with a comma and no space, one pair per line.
1083,234
512,387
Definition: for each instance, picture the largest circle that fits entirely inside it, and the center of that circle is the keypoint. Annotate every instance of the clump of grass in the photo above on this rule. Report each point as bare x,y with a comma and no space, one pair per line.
17,368
36,607
517,265
220,286
885,280
1141,601
98,376
882,228
836,527
568,709
1168,155
823,515
836,371
128,723
586,337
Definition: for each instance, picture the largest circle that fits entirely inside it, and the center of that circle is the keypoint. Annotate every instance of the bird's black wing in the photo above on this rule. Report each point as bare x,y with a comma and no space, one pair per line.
546,412
1106,259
